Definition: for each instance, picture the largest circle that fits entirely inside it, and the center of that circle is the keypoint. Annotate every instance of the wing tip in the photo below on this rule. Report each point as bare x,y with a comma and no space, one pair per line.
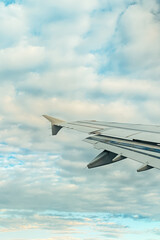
54,121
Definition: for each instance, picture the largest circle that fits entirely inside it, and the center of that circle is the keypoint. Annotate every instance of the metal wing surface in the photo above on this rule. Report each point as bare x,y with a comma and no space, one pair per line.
118,141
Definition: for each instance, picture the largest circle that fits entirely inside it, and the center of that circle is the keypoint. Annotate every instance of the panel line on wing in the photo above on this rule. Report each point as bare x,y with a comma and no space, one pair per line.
84,125
124,126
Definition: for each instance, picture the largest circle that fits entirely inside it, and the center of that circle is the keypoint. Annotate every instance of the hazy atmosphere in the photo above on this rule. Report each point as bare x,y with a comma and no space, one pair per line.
76,60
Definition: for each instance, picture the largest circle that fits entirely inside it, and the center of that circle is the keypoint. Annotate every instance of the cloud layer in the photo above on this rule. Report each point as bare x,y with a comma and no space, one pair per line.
75,60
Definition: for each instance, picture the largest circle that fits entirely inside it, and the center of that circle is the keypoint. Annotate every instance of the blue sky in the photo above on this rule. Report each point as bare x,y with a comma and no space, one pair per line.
76,60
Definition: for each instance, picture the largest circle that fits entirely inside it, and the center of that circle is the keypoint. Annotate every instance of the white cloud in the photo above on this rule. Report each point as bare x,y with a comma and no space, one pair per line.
140,35
13,27
52,56
70,6
134,87
21,58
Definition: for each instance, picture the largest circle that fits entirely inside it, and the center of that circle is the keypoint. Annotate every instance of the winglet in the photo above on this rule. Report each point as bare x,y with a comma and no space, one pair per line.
56,124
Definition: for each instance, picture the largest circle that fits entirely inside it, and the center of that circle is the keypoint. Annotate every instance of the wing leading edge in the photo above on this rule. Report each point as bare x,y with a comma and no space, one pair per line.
118,141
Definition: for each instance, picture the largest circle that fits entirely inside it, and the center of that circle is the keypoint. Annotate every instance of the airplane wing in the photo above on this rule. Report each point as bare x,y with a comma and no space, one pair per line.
117,141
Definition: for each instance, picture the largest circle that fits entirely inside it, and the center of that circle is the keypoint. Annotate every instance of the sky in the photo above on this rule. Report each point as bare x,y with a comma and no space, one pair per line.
76,60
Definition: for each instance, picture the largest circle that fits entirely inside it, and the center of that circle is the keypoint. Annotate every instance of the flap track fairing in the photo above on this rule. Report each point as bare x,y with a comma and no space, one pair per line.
104,158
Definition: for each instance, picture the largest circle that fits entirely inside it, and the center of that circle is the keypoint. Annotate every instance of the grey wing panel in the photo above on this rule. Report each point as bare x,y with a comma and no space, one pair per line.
129,126
133,135
57,124
148,137
121,130
139,132
83,127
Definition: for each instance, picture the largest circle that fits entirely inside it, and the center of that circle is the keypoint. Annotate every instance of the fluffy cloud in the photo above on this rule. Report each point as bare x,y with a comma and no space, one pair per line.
13,27
139,41
21,58
88,60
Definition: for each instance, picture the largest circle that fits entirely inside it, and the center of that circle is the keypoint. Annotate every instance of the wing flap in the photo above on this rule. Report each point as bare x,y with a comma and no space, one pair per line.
132,135
120,133
146,158
147,137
